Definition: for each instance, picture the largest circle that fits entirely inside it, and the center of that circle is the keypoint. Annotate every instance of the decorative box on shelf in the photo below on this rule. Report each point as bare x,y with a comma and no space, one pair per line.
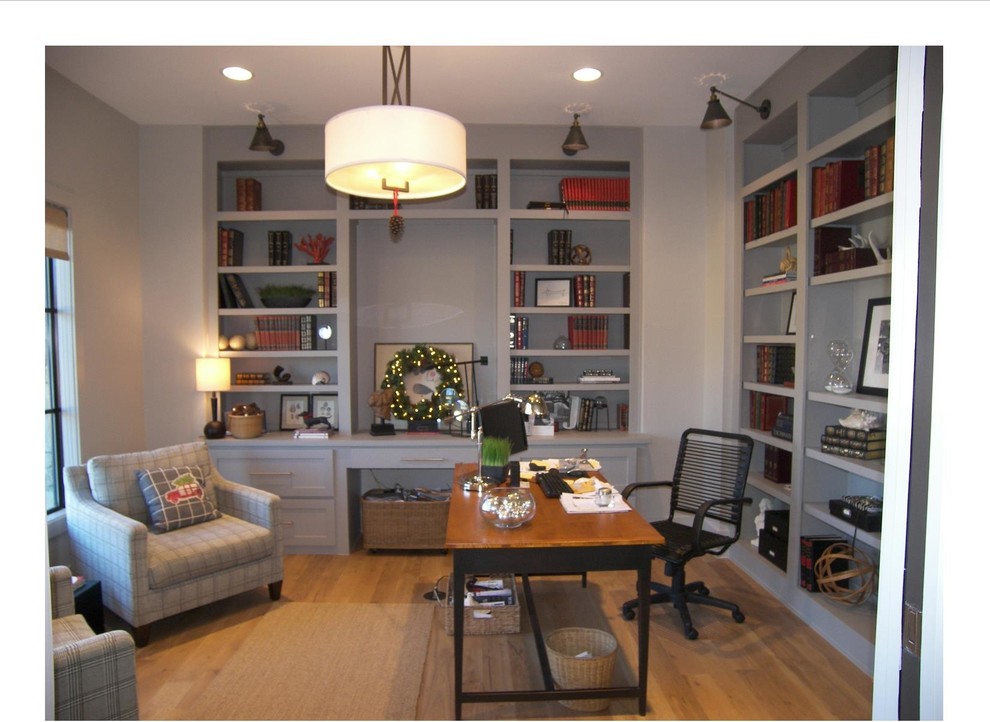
863,512
486,619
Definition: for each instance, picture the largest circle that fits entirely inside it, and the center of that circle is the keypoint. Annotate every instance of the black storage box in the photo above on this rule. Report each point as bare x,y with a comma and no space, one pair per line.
776,522
773,549
862,512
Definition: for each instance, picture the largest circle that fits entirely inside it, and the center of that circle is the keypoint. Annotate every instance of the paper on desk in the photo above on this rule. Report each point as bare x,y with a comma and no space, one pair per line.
585,504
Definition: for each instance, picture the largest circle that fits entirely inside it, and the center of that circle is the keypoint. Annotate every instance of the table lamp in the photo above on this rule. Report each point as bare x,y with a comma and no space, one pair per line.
213,375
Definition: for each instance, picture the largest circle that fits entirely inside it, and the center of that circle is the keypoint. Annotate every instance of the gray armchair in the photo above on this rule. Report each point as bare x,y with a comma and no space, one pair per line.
148,576
94,674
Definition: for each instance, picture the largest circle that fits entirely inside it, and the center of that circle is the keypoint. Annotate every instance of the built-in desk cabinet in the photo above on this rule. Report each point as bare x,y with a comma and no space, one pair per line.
319,481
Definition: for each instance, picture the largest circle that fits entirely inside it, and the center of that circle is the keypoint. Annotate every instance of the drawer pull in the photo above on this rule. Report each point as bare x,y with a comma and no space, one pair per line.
424,458
269,473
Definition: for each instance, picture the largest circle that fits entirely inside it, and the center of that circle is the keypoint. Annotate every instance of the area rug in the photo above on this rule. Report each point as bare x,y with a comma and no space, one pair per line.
324,662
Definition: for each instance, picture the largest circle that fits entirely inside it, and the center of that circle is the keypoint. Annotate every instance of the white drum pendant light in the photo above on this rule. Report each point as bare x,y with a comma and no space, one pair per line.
381,150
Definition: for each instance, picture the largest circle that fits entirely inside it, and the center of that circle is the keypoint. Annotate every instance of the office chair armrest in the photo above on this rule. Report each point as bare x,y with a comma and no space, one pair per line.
702,512
628,490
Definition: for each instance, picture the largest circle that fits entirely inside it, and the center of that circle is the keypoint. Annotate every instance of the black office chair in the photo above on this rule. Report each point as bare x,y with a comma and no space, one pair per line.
709,483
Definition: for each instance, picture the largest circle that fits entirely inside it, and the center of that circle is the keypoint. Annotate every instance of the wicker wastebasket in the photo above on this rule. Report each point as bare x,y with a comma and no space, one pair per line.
571,671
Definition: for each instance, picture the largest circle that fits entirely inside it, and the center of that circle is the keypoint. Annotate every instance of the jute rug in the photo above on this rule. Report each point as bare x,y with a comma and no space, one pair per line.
324,662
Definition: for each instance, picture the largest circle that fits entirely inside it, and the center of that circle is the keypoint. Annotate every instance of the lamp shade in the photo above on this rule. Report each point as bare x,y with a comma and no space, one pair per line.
715,115
422,153
213,374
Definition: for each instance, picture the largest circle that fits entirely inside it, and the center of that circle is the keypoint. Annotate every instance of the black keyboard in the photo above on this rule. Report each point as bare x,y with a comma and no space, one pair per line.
552,484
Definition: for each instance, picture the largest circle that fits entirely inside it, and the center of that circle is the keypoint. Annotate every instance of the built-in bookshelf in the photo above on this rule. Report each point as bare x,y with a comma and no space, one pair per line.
810,193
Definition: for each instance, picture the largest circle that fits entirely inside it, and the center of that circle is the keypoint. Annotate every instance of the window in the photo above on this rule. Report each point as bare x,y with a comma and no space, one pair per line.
61,417
53,410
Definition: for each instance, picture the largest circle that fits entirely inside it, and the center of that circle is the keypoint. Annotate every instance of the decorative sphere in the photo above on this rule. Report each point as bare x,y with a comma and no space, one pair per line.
845,574
223,343
251,341
508,507
237,342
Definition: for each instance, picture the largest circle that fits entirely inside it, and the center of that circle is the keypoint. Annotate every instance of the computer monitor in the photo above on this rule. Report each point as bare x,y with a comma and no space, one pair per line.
504,420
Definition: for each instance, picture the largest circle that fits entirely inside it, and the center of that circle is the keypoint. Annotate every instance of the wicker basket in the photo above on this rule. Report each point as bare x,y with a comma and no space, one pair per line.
404,524
572,672
503,620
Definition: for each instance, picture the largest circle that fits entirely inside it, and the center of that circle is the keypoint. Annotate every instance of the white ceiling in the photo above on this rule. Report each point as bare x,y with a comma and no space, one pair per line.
305,85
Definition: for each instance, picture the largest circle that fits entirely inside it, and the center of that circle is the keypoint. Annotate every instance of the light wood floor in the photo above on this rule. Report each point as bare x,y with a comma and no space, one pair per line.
770,667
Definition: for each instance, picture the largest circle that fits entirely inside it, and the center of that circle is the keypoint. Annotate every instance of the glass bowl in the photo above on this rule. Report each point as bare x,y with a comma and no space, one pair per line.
508,507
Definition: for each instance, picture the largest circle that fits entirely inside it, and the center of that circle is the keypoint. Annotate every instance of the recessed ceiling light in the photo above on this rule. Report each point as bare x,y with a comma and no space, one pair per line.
586,75
235,72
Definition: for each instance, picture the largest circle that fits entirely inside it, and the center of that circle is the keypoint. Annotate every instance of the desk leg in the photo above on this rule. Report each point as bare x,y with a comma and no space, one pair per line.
643,585
457,592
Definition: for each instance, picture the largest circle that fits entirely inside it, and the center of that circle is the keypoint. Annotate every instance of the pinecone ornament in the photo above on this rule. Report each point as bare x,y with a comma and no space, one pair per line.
396,225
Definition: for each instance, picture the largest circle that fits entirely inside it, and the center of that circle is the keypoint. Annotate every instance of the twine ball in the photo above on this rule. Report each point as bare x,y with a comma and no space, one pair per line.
580,255
859,569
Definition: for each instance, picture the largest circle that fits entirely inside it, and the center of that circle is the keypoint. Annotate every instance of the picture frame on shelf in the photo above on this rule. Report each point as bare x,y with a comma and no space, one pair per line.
553,292
874,361
791,316
324,406
293,410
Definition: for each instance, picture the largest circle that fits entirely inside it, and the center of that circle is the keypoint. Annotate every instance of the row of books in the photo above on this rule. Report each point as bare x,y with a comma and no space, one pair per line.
559,247
595,194
248,192
246,378
622,416
518,289
878,172
588,331
585,290
587,417
519,373
764,408
775,364
486,191
836,185
279,248
326,289
233,292
827,240
518,331
770,211
776,464
286,333
230,247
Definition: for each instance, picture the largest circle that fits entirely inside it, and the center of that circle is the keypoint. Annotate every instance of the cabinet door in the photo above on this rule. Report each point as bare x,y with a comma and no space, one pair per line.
309,524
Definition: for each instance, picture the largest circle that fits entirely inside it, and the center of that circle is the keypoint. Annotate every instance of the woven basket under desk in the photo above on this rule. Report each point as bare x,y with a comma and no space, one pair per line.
503,620
404,524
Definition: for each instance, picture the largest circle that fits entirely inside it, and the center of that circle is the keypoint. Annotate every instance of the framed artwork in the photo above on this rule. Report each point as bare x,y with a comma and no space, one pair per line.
325,406
420,384
553,292
791,316
293,410
874,361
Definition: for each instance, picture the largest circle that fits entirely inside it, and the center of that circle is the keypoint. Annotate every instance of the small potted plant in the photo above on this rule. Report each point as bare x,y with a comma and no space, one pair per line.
316,247
495,457
290,296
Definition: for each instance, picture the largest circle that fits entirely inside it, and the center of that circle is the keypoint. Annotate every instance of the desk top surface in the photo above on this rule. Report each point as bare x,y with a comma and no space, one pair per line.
552,526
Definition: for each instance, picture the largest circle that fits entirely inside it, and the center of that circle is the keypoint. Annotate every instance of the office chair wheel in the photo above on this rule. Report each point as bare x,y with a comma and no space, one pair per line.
690,632
628,613
739,617
704,591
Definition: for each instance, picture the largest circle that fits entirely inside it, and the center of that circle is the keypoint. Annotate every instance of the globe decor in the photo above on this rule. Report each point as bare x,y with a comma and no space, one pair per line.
417,375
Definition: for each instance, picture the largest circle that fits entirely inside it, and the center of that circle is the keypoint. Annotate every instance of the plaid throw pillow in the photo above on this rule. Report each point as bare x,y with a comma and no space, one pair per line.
176,497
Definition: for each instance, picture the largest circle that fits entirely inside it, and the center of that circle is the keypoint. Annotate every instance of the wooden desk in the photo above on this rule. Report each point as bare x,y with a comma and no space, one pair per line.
553,542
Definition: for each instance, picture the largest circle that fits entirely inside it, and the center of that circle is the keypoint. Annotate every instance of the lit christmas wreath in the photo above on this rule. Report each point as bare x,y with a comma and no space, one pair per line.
417,376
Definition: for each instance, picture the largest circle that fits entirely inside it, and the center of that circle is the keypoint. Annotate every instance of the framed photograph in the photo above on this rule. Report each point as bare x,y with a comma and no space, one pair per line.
325,406
791,316
294,408
420,385
874,361
553,292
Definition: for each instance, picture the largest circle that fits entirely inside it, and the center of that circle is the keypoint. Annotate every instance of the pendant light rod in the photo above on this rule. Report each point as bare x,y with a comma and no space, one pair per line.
388,66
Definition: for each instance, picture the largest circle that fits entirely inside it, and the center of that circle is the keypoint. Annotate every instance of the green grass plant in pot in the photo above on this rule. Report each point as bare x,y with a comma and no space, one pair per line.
495,457
290,296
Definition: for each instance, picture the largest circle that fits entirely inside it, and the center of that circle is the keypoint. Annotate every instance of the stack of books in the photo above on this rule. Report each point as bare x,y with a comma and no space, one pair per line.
775,364
775,278
854,443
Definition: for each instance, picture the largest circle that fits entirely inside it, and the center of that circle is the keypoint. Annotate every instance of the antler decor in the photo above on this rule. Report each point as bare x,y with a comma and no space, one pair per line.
316,246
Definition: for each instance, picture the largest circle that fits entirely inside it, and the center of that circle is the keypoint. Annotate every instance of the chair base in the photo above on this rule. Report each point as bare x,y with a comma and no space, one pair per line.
693,593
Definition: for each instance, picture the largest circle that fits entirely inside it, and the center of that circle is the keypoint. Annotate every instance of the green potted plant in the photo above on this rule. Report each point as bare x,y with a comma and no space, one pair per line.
495,457
288,296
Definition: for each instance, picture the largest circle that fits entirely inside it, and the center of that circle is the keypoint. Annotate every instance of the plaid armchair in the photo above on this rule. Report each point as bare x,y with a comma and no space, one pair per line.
94,673
147,576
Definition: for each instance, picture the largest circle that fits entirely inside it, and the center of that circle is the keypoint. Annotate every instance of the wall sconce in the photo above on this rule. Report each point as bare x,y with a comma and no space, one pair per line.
716,117
263,139
213,375
575,138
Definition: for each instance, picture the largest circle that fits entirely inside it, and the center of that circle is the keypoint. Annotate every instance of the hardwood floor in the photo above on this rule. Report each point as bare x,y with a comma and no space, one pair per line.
770,667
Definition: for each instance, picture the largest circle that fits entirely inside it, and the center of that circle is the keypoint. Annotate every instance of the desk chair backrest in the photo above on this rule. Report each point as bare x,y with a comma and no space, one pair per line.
711,465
